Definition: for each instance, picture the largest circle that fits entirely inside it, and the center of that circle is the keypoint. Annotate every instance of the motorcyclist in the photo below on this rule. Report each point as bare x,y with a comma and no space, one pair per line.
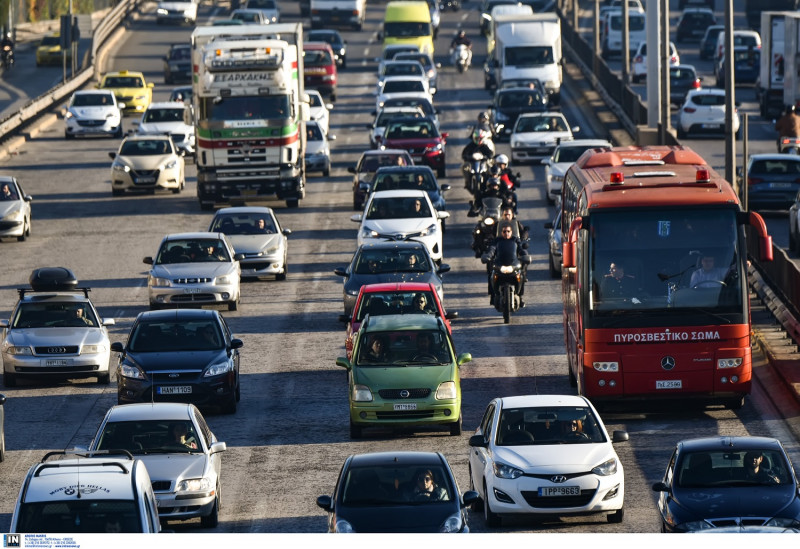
481,141
494,189
507,178
7,41
788,125
461,39
506,250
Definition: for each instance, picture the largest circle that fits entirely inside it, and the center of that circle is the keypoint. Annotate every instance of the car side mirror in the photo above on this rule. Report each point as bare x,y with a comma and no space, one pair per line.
477,441
117,347
237,343
325,503
443,268
344,318
148,260
351,169
112,155
340,271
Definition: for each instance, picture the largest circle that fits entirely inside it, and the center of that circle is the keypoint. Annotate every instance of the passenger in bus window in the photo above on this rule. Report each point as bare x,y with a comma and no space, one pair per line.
708,274
618,285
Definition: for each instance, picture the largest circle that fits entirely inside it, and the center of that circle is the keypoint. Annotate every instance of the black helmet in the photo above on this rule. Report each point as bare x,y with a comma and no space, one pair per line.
496,171
462,33
494,181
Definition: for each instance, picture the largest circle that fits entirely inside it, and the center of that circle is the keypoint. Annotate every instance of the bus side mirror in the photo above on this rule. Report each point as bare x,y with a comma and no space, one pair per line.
568,247
764,239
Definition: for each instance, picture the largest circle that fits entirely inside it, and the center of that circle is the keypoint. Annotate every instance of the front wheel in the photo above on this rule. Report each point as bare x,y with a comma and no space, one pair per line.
234,305
616,517
355,430
212,519
455,428
491,518
9,380
508,295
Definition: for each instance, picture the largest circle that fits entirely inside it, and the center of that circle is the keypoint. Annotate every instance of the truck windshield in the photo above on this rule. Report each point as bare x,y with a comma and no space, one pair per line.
248,108
529,56
407,29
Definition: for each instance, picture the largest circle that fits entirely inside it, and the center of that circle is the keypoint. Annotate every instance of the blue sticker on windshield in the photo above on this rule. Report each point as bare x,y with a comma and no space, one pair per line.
663,228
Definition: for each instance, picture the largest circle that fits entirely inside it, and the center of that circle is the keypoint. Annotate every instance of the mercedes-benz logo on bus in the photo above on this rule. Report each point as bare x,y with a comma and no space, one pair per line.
558,479
404,393
668,363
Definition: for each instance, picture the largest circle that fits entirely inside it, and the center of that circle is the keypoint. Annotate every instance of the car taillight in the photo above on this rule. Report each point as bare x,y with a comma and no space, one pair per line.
754,180
689,109
673,59
696,84
639,59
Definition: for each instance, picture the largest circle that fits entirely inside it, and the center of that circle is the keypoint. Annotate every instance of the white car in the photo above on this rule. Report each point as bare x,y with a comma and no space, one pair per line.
402,215
319,110
147,163
564,156
170,118
185,473
318,149
194,269
268,7
536,135
703,112
93,112
401,86
393,49
384,116
15,209
401,68
545,455
639,65
176,12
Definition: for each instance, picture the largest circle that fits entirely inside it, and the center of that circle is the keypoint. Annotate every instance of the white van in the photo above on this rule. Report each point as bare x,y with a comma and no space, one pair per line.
741,38
86,494
612,33
340,13
504,9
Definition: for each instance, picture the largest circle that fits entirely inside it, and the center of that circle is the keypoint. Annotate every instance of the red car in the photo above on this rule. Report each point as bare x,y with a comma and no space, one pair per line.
421,138
390,299
319,68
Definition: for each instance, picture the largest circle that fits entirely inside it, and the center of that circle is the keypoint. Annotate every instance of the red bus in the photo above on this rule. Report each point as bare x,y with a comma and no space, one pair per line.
645,317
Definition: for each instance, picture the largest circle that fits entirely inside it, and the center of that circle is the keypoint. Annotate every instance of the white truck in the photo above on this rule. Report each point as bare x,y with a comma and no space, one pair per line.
325,13
526,47
769,87
250,111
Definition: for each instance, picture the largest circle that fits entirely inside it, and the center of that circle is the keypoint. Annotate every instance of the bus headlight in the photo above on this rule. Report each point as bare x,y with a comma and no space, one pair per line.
729,363
606,366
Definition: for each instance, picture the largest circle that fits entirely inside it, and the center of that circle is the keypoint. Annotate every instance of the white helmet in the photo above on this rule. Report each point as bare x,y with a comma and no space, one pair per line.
501,159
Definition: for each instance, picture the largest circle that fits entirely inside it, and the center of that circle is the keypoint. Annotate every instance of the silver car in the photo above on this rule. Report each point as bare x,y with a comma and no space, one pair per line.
256,234
182,455
318,149
54,330
194,269
173,118
93,112
15,209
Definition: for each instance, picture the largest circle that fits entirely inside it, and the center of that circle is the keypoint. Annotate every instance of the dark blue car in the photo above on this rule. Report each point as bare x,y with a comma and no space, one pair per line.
394,178
746,66
773,180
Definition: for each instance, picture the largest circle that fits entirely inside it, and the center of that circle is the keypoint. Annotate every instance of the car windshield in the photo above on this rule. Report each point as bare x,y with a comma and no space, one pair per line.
426,106
55,314
142,147
406,29
371,163
541,124
391,261
248,16
396,484
316,58
385,117
315,100
395,303
635,22
398,207
177,54
520,99
123,82
313,132
191,251
714,468
422,58
164,115
92,100
423,181
51,41
548,425
418,129
528,56
79,516
571,154
402,69
175,336
243,223
682,75
403,86
403,347
150,437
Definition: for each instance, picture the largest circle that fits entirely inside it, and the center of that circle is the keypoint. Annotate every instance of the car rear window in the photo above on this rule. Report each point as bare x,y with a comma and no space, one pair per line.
775,167
708,100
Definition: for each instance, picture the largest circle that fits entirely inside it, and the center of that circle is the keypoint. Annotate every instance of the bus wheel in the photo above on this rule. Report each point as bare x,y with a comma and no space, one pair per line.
735,403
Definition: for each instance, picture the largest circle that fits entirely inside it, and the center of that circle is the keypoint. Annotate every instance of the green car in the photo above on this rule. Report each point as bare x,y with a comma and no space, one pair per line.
404,373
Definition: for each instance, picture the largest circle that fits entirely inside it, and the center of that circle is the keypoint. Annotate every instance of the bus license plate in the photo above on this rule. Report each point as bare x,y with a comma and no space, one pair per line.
57,362
176,390
669,384
555,491
404,407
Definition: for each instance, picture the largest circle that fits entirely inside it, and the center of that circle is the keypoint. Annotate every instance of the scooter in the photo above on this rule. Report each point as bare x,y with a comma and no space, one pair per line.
789,145
7,56
484,232
461,57
474,172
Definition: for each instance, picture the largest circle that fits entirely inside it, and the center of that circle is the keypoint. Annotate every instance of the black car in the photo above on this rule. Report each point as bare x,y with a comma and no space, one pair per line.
509,103
719,482
392,178
332,37
364,171
397,492
178,64
183,355
693,23
709,41
682,78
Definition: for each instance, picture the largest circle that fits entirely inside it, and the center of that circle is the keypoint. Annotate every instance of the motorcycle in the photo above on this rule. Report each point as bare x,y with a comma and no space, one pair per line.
506,285
789,145
484,232
453,5
7,56
461,57
474,173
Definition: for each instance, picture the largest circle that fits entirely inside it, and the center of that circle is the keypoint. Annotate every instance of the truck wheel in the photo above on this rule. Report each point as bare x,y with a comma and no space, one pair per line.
292,203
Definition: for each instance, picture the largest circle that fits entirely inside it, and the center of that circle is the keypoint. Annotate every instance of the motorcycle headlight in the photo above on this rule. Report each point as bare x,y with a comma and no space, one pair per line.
501,470
361,393
68,115
218,369
223,280
158,282
488,221
130,371
606,468
507,269
18,350
453,523
446,391
93,349
194,485
344,527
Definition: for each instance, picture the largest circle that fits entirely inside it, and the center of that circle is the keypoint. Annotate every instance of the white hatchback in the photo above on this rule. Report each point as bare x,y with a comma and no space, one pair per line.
93,112
703,112
536,135
639,65
545,455
402,215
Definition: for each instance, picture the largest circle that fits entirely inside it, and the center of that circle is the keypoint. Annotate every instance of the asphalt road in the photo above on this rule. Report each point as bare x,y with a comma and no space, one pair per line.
289,437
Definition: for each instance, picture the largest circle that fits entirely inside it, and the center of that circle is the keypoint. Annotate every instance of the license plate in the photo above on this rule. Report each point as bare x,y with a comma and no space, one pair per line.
555,491
57,362
175,390
191,290
145,179
669,384
711,126
403,407
780,185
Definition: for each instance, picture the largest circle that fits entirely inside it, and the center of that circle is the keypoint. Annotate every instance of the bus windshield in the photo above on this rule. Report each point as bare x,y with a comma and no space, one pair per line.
669,260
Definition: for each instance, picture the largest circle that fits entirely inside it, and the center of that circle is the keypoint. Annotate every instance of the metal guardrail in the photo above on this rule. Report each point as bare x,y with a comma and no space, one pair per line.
56,95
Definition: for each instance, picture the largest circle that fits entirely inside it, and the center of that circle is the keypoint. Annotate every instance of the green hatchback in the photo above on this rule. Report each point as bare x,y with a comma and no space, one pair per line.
404,373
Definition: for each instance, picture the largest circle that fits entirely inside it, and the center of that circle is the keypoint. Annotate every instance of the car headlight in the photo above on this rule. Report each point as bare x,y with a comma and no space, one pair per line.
194,485
434,148
112,114
501,470
158,282
361,393
170,165
118,167
515,144
127,370
18,350
68,115
606,468
693,526
272,250
93,349
430,230
218,369
223,280
453,523
446,391
366,232
162,11
344,527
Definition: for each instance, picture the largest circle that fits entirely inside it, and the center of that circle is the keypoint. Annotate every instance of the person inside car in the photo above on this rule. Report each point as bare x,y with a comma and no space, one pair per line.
180,436
426,488
77,318
376,350
756,471
7,194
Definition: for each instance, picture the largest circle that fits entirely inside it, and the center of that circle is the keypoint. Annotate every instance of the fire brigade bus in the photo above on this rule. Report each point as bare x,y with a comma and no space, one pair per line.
654,277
